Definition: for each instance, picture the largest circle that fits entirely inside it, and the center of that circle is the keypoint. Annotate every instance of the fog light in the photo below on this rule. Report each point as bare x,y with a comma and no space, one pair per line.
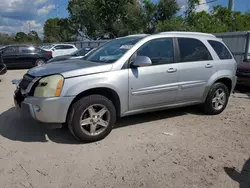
37,108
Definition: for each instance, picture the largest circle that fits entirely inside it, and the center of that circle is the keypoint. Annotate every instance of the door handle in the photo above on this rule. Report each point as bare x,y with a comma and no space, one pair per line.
171,70
209,66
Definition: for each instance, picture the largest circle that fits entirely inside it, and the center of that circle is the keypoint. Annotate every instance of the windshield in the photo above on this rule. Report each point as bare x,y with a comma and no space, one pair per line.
112,51
81,52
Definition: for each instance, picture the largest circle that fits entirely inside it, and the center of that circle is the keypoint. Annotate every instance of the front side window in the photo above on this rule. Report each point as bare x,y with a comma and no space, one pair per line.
193,50
113,50
160,51
220,49
68,47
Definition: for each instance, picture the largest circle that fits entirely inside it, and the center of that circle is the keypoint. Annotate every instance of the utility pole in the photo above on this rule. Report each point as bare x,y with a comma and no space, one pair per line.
231,5
57,10
29,27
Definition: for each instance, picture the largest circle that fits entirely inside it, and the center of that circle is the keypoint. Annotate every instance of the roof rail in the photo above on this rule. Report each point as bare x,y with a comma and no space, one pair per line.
189,33
137,35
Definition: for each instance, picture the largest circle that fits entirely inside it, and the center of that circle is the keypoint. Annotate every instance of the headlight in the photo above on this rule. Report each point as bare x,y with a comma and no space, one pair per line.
50,86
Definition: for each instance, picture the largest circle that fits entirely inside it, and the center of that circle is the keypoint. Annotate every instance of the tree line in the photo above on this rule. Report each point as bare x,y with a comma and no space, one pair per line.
95,19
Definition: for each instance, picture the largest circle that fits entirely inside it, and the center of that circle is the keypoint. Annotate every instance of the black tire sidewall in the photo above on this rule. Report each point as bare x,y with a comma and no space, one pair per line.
208,104
80,106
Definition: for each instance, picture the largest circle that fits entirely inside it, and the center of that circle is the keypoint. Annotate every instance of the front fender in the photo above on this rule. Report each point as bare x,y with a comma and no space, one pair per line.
116,80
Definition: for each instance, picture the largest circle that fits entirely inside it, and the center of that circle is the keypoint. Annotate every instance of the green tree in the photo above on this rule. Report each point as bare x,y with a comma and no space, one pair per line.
175,24
58,30
6,39
21,37
94,17
166,9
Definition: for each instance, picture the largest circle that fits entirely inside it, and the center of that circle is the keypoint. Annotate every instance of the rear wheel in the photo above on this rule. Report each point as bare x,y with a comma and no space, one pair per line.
217,99
92,118
40,62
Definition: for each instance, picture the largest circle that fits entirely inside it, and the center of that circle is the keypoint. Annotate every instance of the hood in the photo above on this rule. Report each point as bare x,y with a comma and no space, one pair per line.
244,66
70,68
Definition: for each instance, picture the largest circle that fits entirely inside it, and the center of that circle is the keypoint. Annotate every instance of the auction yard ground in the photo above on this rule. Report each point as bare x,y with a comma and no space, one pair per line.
180,148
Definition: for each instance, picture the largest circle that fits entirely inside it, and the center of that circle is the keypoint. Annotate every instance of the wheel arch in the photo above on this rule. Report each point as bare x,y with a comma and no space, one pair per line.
104,91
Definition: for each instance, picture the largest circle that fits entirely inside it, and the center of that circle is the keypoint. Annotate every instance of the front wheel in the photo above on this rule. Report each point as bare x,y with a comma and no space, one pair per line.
217,99
92,118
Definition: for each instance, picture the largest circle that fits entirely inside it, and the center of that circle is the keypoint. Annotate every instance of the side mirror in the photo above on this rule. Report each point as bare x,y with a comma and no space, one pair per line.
142,61
53,49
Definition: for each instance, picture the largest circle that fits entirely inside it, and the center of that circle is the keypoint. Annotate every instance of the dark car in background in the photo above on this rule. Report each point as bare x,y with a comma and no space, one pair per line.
243,73
24,56
75,55
3,68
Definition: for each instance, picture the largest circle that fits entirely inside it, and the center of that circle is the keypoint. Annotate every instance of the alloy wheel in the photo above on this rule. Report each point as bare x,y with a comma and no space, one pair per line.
95,119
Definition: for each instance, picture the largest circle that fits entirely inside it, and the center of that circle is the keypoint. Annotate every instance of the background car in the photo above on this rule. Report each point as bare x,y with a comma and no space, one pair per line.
24,56
60,49
3,68
243,73
75,55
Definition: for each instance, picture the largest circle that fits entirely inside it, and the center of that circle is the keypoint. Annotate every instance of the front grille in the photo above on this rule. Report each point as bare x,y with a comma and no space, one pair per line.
27,79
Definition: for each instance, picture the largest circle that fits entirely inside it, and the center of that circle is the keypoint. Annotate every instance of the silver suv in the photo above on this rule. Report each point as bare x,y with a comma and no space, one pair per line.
129,75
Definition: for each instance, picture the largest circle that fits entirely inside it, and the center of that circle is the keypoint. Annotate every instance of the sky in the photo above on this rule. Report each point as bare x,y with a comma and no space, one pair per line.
25,15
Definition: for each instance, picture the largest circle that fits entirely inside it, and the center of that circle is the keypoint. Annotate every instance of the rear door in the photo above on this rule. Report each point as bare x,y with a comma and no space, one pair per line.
10,56
196,66
69,49
58,50
27,56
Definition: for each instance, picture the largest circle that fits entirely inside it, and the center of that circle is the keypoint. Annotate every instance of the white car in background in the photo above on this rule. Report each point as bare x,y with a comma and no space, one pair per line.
60,49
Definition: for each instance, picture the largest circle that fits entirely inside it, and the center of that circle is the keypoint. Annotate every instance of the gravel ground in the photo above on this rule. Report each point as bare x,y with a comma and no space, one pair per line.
180,148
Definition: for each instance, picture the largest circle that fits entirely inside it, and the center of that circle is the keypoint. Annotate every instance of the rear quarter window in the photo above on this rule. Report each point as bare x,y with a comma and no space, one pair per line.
220,49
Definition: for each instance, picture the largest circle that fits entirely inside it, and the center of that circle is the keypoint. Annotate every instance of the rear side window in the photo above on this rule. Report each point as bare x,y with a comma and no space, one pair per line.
25,49
68,47
220,49
193,50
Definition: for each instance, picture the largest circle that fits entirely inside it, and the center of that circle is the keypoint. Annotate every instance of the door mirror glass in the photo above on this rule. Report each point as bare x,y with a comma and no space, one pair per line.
142,61
53,49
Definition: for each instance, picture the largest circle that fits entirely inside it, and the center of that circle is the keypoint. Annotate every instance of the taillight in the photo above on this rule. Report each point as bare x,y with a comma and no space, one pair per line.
49,54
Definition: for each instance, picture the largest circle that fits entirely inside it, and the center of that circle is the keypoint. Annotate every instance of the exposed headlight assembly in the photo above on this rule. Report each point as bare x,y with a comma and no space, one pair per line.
50,86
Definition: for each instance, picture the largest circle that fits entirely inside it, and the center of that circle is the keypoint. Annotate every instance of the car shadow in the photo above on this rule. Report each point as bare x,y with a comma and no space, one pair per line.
16,128
243,177
243,90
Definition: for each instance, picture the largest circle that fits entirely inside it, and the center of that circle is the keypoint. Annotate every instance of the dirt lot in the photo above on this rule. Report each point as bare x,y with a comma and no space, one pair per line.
138,153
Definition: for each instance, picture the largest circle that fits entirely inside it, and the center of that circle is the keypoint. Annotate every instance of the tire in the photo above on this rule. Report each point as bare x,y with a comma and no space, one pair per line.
209,105
39,62
82,110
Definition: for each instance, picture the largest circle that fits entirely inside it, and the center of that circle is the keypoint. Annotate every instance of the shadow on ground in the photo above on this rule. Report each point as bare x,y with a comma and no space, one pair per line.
243,177
16,128
244,90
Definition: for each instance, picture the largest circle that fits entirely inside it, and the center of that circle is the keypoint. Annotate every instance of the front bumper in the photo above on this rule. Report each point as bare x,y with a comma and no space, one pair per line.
46,110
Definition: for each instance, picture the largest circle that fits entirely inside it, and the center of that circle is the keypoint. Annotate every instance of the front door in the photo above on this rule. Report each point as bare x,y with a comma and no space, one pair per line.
196,68
155,85
10,56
